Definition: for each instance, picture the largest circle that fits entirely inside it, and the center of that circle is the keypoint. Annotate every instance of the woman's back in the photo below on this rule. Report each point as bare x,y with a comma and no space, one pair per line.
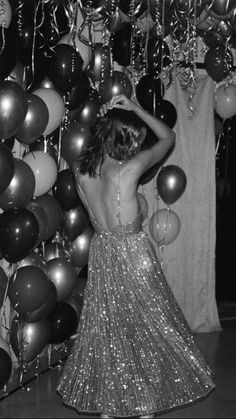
110,197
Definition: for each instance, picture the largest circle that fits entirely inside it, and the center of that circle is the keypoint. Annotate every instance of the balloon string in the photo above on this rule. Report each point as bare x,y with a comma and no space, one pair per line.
218,142
166,223
3,40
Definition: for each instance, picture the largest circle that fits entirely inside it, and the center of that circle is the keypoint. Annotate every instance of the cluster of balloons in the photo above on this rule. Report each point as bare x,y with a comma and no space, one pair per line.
164,224
45,293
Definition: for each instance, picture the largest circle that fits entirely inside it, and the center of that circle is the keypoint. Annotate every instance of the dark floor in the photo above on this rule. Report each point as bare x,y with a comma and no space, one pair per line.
39,400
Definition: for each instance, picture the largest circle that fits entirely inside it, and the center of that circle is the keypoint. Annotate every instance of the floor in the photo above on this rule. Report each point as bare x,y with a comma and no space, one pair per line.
38,398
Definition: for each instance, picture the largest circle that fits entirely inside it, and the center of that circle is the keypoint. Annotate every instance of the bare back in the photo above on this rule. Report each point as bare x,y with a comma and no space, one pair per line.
111,197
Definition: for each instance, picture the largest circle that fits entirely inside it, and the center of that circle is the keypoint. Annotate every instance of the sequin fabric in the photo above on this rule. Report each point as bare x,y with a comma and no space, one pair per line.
134,353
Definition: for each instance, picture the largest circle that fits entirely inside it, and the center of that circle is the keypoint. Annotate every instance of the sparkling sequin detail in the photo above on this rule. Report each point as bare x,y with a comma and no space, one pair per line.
134,353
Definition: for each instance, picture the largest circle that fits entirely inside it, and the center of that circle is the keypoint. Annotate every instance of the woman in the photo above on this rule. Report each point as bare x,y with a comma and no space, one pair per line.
134,354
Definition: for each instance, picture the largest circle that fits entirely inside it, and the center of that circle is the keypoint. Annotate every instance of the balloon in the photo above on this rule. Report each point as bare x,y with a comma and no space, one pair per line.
221,7
72,141
13,107
121,45
44,169
143,205
149,92
8,56
65,190
5,367
4,345
5,14
63,322
26,42
63,274
80,286
17,74
19,230
47,83
76,301
164,226
3,286
100,64
55,250
213,38
83,48
54,214
218,63
116,84
87,112
46,308
29,339
64,67
158,55
171,183
35,121
42,218
33,259
79,248
9,142
21,188
79,93
166,111
117,22
225,100
28,289
137,8
74,222
7,167
33,81
55,105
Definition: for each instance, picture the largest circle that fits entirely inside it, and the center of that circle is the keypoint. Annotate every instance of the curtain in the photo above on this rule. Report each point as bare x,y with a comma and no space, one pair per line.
189,260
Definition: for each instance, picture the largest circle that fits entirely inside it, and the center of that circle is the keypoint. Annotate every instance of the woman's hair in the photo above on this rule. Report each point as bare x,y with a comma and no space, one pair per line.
116,134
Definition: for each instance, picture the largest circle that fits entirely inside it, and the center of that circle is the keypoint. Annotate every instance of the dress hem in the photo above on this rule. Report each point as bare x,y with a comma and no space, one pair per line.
153,412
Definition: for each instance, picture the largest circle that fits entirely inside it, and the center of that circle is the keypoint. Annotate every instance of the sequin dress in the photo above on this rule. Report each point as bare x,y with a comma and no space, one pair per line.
134,353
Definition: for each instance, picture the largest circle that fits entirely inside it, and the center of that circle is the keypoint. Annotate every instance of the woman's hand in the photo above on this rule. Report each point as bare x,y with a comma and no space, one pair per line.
118,102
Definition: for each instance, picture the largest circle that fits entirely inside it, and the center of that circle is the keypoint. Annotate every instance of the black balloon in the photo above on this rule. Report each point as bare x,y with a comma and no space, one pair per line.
5,367
158,55
9,142
25,43
87,112
100,64
13,107
121,45
116,84
46,308
166,111
149,92
7,167
64,189
63,322
218,62
19,230
64,67
8,55
74,222
79,93
137,7
54,213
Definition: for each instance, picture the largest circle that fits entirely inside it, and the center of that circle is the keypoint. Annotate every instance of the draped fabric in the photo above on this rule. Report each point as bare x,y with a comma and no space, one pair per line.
189,260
